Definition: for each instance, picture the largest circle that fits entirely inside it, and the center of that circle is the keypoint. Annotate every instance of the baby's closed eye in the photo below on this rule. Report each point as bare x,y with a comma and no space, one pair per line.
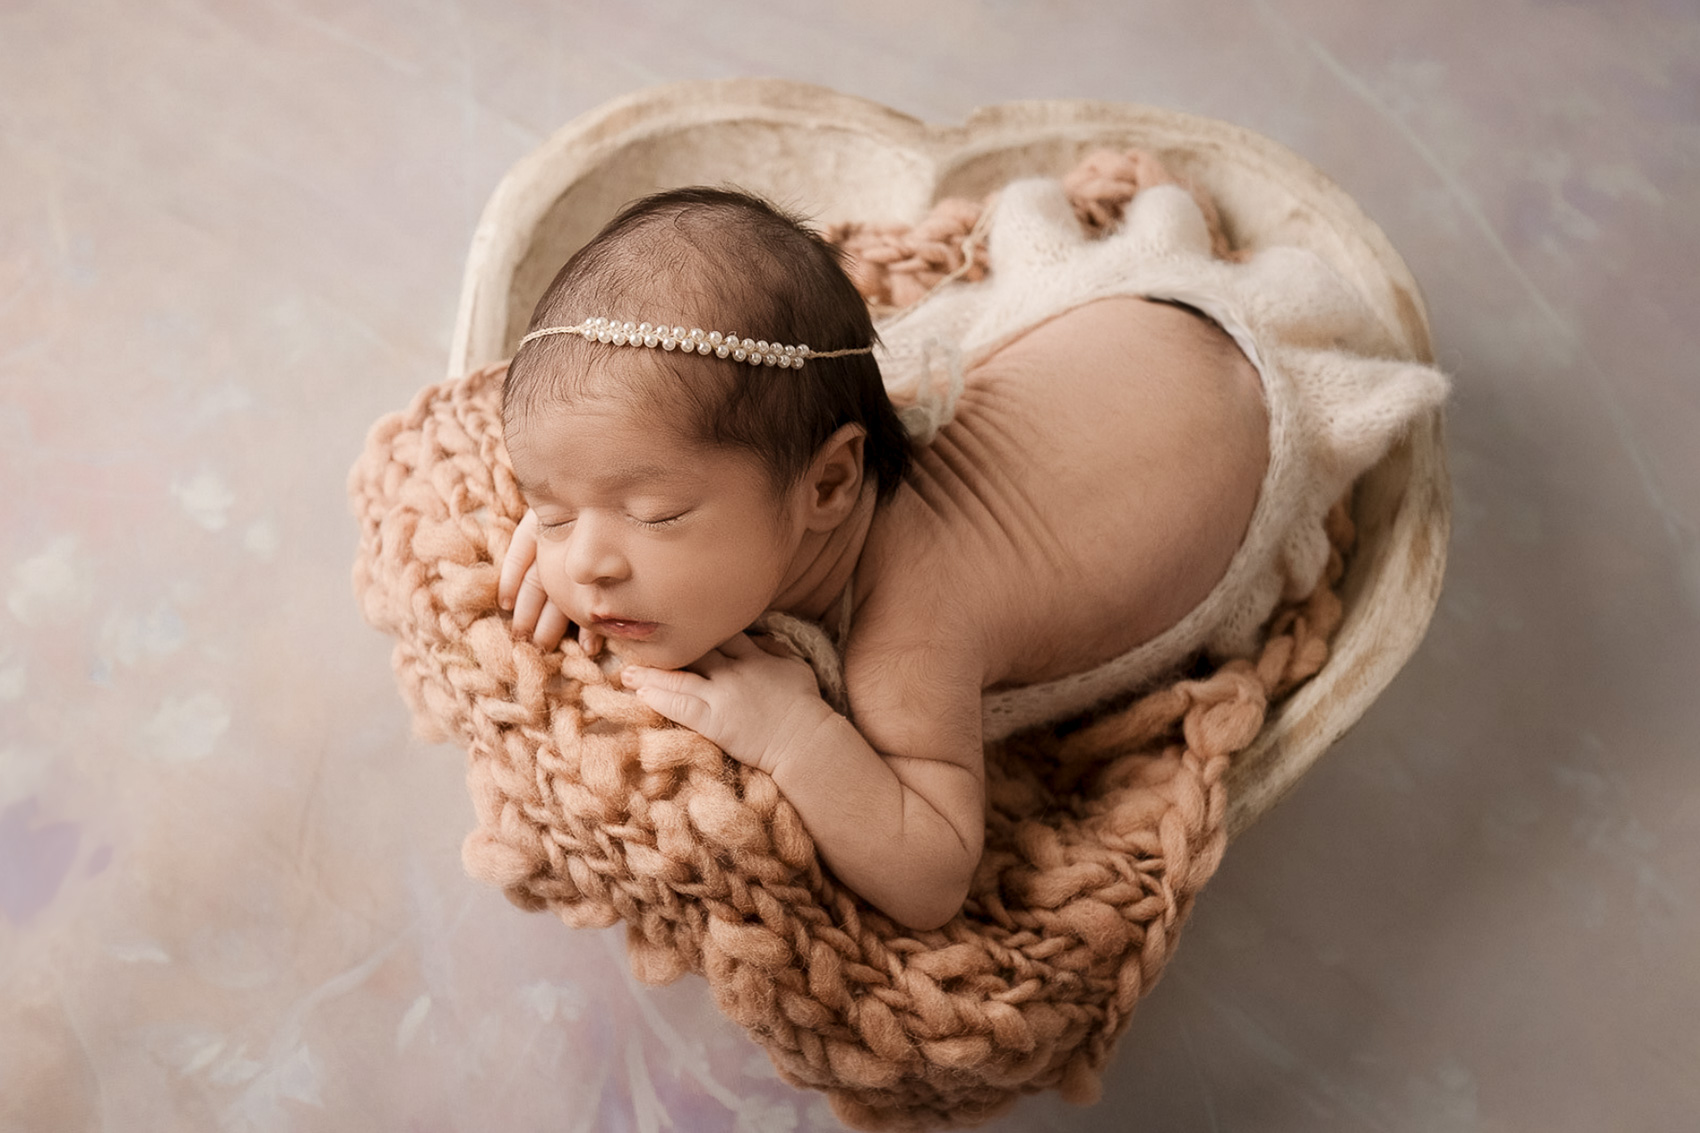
651,519
659,521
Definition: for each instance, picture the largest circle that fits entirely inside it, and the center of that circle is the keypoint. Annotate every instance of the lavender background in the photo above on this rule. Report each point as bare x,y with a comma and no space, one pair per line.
231,235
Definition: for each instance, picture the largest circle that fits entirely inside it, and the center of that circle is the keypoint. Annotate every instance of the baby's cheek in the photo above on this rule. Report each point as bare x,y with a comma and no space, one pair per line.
550,574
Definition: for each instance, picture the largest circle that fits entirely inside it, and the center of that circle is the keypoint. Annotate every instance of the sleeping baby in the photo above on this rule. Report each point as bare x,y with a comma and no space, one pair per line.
1123,452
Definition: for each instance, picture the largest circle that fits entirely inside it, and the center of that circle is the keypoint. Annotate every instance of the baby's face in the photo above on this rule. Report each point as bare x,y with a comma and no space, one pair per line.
666,546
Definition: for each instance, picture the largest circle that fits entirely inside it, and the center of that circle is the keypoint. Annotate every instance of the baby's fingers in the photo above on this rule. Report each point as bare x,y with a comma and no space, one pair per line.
551,627
522,554
529,604
676,695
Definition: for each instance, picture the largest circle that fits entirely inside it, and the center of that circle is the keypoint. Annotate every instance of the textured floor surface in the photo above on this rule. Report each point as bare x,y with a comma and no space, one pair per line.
231,235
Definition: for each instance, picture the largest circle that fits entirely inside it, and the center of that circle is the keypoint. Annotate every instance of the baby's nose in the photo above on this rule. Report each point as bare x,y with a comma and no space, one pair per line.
594,555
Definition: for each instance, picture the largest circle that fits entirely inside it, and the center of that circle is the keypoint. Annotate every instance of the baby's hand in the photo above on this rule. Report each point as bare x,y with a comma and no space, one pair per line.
519,589
755,704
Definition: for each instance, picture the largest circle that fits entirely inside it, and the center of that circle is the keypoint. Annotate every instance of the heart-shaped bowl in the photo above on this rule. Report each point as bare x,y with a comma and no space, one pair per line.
834,157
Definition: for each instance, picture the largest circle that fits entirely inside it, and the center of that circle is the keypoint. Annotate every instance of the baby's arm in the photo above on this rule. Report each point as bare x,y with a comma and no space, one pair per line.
904,831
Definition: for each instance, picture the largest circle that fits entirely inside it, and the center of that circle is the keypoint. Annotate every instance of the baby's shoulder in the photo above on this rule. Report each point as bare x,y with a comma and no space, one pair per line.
914,675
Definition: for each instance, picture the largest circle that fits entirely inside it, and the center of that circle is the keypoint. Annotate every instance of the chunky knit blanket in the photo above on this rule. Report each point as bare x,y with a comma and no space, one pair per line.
1099,835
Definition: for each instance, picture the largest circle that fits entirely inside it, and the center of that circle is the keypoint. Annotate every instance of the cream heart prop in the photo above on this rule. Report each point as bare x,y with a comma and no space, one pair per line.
834,157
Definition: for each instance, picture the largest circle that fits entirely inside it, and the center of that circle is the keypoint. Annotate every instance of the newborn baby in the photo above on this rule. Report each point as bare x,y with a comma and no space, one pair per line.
1136,469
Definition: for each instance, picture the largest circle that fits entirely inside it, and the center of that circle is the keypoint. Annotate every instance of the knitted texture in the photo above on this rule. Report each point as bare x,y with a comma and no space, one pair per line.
896,265
1098,837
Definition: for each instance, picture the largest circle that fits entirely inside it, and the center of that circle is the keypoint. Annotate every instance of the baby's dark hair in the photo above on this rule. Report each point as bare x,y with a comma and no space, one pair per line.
719,259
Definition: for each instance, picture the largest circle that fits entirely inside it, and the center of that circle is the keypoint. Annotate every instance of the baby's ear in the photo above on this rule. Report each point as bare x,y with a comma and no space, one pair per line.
834,481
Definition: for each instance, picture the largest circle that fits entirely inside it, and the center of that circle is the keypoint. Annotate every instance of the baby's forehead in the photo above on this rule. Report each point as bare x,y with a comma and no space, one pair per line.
556,464
611,415
615,444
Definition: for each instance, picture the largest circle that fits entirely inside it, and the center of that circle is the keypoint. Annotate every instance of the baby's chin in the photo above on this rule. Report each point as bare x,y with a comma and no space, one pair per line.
650,654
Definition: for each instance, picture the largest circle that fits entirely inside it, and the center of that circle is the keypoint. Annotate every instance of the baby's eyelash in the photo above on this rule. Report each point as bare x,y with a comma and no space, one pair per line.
546,527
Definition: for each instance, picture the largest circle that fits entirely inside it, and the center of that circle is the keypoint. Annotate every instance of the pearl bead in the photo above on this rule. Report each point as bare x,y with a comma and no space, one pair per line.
703,347
619,338
644,329
715,337
678,332
669,343
740,354
652,340
721,351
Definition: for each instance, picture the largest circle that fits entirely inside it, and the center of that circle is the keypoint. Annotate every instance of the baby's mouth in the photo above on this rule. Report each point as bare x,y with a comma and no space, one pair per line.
629,629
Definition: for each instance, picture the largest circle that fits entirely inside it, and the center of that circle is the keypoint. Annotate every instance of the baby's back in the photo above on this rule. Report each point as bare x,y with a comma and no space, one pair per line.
1092,488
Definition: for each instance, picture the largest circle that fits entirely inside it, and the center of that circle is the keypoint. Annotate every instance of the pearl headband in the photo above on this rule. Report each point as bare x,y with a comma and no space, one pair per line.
757,352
